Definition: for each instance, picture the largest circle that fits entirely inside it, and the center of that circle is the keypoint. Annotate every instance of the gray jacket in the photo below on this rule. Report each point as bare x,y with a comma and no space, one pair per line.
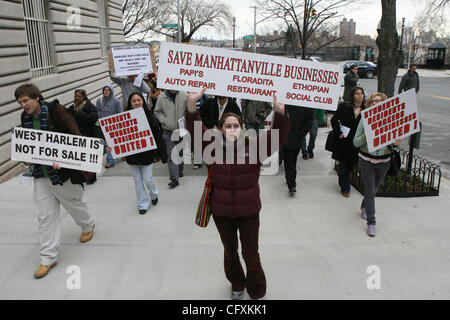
255,112
167,112
108,107
127,86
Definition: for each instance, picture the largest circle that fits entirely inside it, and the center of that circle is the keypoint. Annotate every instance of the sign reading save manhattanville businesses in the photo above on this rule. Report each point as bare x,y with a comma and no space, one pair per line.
248,75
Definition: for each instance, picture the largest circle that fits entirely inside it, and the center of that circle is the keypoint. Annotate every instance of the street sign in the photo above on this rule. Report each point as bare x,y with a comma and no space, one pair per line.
170,25
249,37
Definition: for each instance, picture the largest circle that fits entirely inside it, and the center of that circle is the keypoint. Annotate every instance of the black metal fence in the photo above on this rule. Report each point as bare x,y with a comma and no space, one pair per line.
422,179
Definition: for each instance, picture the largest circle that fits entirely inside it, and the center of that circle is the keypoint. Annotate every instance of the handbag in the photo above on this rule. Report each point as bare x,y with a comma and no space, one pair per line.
204,209
331,141
396,163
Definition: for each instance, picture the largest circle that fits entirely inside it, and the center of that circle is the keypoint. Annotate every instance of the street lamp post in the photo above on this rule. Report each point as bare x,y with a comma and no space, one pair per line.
234,29
254,30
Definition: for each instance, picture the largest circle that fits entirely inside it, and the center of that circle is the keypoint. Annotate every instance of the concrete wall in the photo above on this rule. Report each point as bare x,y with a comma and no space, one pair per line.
76,57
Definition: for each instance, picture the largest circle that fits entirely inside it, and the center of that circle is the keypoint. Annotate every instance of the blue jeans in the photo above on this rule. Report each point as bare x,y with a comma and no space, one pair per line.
109,158
143,175
345,169
312,138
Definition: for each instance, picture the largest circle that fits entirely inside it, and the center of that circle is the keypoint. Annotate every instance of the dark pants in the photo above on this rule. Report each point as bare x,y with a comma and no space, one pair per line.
174,169
372,175
255,280
312,138
345,169
290,166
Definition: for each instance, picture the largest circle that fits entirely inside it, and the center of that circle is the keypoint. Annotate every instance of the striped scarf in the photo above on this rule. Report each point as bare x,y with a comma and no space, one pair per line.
37,168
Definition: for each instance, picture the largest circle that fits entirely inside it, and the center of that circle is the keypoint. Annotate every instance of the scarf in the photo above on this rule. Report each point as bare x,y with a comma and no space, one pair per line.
37,168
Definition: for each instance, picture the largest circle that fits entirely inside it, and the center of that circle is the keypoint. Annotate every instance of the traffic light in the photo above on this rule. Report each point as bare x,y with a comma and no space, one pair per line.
313,13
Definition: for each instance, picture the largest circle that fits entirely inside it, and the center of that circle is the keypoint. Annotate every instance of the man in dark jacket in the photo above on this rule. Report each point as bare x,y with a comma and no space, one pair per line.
350,81
213,109
301,122
85,114
410,80
51,183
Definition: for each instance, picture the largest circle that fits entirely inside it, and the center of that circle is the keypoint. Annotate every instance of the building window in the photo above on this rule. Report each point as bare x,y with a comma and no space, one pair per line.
36,26
103,27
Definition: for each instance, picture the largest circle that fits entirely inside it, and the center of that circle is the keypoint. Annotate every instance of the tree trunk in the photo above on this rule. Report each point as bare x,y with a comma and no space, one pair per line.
387,41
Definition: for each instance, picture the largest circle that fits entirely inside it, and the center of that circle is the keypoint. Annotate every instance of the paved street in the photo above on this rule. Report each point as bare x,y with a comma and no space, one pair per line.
312,245
434,113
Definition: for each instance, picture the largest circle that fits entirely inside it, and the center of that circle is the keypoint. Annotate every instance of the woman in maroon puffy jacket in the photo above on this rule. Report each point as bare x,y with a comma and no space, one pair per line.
235,201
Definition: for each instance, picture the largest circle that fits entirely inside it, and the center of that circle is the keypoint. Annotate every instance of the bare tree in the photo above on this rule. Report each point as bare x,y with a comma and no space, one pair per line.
308,17
387,42
143,17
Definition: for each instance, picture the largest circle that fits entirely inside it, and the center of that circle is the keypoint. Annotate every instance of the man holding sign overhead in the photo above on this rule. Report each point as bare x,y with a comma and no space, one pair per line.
53,185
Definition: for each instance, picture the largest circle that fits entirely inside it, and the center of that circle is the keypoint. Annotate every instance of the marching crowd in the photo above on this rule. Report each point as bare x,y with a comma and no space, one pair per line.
235,198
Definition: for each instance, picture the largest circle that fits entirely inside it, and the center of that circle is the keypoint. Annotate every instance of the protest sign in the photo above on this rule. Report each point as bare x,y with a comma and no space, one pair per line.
248,75
130,60
67,150
128,133
393,118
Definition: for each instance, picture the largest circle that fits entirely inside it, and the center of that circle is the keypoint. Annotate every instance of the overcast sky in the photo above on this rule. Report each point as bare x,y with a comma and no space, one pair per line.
366,13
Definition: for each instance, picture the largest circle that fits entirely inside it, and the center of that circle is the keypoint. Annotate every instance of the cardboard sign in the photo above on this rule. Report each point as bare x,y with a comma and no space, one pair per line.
248,75
67,150
393,118
128,133
130,60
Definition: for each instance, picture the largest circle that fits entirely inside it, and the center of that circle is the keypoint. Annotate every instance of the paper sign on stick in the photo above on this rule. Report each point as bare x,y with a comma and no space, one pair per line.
248,75
130,60
128,133
67,150
393,118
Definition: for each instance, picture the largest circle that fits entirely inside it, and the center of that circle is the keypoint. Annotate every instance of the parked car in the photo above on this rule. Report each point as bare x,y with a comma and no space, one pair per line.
315,59
366,69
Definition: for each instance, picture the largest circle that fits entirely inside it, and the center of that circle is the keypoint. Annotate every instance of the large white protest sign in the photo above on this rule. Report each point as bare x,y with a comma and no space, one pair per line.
248,75
393,118
128,133
47,147
130,60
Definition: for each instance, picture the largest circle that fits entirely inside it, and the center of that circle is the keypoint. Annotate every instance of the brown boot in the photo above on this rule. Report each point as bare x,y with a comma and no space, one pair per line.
43,270
85,237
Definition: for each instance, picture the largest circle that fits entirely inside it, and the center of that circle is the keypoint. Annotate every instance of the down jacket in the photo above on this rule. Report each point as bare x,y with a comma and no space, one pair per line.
235,187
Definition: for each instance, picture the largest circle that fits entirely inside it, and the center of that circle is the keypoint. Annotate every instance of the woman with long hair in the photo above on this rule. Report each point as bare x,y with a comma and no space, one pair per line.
235,197
344,123
141,164
373,166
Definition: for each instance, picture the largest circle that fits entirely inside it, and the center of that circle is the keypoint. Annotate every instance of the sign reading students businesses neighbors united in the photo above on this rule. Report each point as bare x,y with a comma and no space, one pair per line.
130,60
128,133
248,75
393,118
47,147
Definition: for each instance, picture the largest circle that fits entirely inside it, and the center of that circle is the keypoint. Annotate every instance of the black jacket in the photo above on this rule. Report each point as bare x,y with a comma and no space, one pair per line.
85,118
344,150
301,122
409,81
148,157
209,111
350,81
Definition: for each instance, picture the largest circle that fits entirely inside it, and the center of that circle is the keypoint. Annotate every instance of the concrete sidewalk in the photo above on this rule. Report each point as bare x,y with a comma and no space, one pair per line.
312,245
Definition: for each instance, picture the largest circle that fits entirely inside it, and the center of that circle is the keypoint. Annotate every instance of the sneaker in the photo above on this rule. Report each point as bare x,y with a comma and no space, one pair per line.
142,211
174,183
363,214
292,191
155,202
87,236
305,157
237,295
311,154
371,231
43,270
